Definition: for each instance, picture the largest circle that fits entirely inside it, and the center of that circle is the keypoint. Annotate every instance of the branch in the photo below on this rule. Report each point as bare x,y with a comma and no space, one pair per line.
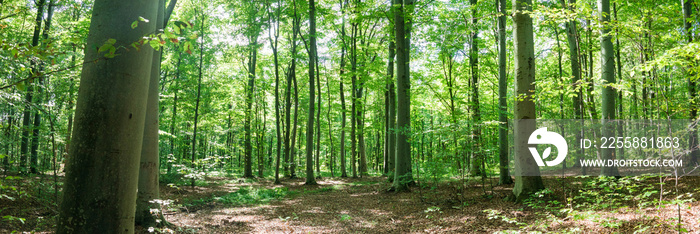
169,12
48,73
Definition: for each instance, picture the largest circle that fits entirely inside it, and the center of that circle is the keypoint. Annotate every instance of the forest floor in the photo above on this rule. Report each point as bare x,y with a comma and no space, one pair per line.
362,205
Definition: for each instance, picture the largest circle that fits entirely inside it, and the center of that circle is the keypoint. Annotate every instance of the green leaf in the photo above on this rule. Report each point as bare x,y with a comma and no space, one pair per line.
134,24
177,29
104,48
21,86
111,41
143,19
154,44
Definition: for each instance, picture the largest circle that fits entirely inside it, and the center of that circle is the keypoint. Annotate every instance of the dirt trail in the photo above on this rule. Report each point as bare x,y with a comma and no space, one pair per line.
362,206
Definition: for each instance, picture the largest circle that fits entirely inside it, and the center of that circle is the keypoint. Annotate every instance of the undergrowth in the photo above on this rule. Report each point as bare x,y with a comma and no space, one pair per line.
243,196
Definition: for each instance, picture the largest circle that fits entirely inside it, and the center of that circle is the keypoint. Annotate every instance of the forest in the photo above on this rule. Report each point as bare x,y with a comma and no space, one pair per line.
349,116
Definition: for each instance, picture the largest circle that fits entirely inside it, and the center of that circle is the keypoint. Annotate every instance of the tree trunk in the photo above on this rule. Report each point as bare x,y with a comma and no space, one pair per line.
250,89
618,64
330,127
174,117
577,99
693,139
293,166
148,189
199,95
402,173
607,54
26,125
273,44
342,110
291,78
527,180
504,175
310,180
390,134
34,159
318,118
101,180
476,162
353,101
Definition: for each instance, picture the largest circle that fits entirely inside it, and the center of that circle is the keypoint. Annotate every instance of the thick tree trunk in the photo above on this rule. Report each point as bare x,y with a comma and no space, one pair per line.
99,194
402,173
504,175
527,180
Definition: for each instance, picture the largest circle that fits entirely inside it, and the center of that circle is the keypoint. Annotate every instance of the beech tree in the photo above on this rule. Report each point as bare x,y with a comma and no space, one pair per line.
504,174
310,180
99,193
527,180
607,60
402,171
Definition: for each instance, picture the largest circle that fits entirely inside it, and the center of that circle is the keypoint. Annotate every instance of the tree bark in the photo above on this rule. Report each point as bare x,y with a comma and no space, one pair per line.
274,46
148,189
199,95
504,175
353,100
693,139
318,118
26,125
402,174
527,180
607,55
343,110
34,158
310,180
577,99
250,89
390,134
99,193
476,162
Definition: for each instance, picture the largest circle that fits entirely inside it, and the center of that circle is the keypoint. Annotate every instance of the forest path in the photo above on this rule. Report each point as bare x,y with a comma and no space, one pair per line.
346,205
362,205
335,205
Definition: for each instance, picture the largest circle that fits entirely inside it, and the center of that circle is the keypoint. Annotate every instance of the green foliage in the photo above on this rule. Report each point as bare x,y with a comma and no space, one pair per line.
243,196
496,215
612,193
345,217
546,201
